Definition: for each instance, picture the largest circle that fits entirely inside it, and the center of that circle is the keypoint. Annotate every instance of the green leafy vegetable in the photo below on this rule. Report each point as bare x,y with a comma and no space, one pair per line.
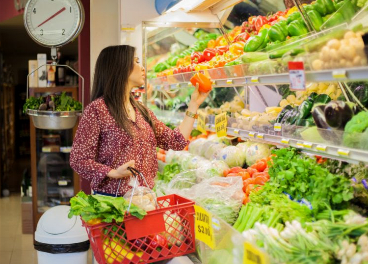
105,207
169,172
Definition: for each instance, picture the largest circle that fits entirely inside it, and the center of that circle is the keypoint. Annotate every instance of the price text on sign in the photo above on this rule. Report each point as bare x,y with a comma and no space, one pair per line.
252,255
201,124
297,75
221,124
203,226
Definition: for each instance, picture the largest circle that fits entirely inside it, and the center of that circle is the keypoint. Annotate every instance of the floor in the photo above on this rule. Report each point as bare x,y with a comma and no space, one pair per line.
16,248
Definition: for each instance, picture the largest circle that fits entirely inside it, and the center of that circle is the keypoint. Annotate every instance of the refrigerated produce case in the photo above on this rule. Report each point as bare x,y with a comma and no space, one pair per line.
260,84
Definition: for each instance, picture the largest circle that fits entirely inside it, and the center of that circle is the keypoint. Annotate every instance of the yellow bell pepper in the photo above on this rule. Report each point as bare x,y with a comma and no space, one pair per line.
265,26
237,47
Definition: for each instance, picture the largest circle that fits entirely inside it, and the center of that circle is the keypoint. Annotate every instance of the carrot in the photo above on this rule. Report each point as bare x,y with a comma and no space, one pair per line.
161,151
186,147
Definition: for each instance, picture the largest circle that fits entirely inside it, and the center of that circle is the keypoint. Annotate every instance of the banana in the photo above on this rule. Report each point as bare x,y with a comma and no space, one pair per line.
109,255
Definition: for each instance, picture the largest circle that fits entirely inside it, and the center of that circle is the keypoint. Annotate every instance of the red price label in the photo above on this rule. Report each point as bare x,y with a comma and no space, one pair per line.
297,75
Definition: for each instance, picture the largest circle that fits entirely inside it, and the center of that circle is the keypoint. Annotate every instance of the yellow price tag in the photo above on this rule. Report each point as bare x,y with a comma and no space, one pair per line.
189,84
343,152
221,124
229,81
339,74
252,255
300,145
251,134
321,148
254,79
277,127
236,131
307,145
203,226
260,136
285,141
201,123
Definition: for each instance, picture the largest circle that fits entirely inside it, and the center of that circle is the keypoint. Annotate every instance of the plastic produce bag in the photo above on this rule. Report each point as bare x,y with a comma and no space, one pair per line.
193,162
213,152
143,197
256,152
196,146
244,146
182,184
232,156
175,156
212,169
221,196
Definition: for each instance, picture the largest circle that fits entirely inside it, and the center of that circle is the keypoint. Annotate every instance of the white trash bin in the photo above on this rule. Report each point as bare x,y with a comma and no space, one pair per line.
60,240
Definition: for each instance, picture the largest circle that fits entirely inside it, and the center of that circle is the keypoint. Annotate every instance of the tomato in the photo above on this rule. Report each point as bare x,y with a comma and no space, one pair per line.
244,174
247,182
235,169
257,174
251,171
246,199
232,174
260,165
226,172
249,188
261,180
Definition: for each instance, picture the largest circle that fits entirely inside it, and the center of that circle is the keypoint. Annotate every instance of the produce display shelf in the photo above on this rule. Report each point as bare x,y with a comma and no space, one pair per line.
175,81
322,149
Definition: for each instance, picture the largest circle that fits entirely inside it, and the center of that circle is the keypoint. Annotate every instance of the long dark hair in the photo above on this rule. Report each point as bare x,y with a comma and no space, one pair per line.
113,68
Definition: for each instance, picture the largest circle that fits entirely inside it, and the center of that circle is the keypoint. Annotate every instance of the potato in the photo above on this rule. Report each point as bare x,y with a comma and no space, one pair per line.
357,61
349,35
317,64
333,44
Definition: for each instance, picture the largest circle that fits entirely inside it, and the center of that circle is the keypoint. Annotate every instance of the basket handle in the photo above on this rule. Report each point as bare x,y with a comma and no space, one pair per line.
136,173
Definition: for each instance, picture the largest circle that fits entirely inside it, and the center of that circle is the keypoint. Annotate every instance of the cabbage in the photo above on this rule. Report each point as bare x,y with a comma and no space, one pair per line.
242,146
196,146
183,180
256,152
213,152
193,162
223,140
232,156
213,169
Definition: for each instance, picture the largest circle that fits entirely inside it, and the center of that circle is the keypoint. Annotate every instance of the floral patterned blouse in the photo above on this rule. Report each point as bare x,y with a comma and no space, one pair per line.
101,145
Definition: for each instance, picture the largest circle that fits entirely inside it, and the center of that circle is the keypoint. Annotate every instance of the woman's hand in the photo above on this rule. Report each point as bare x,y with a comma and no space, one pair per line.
197,97
122,171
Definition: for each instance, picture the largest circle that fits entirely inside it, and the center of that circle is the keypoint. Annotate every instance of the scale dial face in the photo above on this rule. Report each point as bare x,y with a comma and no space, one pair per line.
53,23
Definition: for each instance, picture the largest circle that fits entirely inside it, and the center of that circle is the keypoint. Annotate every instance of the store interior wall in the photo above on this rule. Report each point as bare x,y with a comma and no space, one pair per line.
104,26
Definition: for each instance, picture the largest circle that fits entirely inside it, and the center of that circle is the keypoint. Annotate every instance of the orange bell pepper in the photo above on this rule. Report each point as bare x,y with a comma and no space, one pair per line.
205,84
187,60
221,41
211,44
237,47
180,62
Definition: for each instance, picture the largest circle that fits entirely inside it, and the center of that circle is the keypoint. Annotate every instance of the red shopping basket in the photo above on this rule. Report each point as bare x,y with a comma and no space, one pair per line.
163,233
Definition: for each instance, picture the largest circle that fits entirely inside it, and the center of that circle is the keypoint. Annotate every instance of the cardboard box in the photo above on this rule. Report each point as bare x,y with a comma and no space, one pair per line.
27,215
42,73
33,78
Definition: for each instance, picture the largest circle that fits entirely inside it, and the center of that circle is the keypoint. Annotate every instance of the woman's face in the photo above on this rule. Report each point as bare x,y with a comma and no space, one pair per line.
136,78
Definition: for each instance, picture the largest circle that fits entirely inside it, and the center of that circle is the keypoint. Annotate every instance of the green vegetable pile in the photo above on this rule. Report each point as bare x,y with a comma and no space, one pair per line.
302,178
104,207
170,170
61,102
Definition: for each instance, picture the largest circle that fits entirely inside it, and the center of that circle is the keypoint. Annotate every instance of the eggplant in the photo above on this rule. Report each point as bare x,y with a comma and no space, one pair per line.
324,130
318,114
283,113
337,114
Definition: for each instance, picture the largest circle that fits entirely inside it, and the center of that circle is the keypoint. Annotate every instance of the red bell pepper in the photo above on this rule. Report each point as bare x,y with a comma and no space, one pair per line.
208,54
176,71
197,57
259,22
221,49
242,37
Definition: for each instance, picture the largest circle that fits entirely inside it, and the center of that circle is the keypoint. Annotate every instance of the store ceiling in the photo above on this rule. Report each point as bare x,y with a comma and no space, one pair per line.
15,40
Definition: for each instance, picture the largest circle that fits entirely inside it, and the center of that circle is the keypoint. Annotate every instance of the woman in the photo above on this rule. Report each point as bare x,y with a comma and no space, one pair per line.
116,132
